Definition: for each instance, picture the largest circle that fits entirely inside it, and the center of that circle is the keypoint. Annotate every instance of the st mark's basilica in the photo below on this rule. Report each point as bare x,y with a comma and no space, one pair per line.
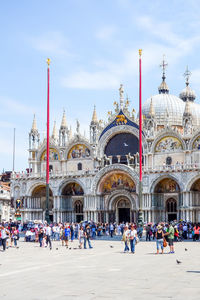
98,178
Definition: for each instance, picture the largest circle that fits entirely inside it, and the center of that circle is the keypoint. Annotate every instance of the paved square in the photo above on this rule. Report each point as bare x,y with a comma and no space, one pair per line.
103,272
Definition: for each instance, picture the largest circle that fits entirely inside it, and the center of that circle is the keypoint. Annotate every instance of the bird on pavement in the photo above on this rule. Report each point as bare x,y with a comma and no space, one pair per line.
111,246
186,249
178,261
56,248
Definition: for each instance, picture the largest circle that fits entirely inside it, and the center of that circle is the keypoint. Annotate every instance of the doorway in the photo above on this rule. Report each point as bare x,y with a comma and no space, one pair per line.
171,209
124,215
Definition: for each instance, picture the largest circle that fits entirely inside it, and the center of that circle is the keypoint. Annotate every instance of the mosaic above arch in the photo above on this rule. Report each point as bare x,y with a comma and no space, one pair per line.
167,185
79,151
168,144
117,180
196,144
53,155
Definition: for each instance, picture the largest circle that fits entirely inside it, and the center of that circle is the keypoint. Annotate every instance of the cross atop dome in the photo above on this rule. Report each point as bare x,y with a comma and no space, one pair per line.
187,75
163,65
163,88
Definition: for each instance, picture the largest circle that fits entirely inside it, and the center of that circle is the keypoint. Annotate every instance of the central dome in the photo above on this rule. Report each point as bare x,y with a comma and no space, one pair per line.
168,108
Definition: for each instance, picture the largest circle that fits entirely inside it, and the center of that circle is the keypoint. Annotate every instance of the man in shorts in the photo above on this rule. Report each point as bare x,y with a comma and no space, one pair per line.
170,235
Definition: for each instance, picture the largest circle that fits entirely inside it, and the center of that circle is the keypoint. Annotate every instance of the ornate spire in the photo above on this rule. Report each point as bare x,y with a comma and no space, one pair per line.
64,120
187,93
94,116
70,133
121,96
163,88
54,133
34,125
151,109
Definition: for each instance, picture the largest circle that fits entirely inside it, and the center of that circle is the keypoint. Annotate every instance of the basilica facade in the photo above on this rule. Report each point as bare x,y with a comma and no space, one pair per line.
98,178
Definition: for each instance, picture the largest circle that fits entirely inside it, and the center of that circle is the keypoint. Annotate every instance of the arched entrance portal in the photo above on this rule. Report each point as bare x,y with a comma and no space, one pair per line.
171,209
166,200
38,202
123,208
72,200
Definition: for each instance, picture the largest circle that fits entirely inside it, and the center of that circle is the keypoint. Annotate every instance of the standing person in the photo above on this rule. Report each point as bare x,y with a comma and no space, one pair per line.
196,232
87,237
4,235
72,228
170,235
148,232
133,235
48,233
125,238
111,230
159,238
41,236
15,234
81,237
66,235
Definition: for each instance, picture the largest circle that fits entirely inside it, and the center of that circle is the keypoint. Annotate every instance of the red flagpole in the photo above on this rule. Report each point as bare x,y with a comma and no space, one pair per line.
140,216
140,113
47,157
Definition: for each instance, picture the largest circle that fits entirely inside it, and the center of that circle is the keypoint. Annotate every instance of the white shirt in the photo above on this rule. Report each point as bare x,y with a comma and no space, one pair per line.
48,231
133,233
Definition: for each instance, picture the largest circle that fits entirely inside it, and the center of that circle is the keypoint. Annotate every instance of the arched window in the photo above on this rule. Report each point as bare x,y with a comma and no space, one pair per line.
78,207
80,166
171,205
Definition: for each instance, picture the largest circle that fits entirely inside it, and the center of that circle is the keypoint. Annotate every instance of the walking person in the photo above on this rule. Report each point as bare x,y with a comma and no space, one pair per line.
133,236
67,232
15,234
87,237
41,236
111,230
125,238
48,233
159,239
4,236
196,232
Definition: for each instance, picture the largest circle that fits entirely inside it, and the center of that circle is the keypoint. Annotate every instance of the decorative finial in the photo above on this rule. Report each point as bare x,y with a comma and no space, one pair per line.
187,75
48,62
163,65
121,95
94,116
34,125
64,121
140,52
77,127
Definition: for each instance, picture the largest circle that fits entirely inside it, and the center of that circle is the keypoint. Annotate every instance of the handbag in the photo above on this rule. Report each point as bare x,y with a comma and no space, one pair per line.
164,243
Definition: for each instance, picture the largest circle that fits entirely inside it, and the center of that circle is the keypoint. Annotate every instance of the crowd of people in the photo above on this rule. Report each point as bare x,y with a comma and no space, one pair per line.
130,234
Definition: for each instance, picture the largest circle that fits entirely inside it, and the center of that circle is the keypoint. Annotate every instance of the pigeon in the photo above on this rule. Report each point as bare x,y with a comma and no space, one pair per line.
111,246
70,248
186,249
75,248
56,248
178,261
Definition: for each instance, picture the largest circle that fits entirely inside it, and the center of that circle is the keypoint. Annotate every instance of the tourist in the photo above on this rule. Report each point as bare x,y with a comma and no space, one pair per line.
67,232
41,236
81,237
48,233
159,239
111,230
196,232
15,234
125,238
87,236
148,232
133,236
4,235
170,235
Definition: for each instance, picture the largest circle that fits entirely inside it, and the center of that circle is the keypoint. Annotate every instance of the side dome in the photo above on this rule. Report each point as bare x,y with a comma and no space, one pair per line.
166,107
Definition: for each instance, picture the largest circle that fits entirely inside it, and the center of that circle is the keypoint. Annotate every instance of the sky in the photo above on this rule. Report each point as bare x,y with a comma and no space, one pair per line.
93,46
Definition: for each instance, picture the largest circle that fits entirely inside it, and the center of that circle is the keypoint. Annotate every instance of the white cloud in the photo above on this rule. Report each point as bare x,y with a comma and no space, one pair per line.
108,75
51,43
14,106
106,33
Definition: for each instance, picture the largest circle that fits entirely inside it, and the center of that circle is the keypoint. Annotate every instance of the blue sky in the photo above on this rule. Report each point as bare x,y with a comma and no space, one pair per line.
93,45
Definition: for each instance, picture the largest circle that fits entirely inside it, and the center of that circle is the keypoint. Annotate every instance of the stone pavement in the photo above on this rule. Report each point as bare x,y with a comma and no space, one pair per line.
32,273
